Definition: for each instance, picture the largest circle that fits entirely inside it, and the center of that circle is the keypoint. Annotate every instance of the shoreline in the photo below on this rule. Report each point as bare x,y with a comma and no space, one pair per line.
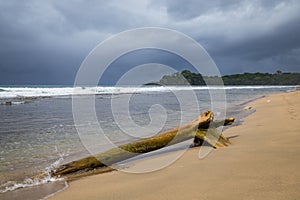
243,115
119,184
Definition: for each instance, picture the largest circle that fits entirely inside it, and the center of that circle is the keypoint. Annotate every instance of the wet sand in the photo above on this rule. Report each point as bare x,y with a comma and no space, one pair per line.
262,163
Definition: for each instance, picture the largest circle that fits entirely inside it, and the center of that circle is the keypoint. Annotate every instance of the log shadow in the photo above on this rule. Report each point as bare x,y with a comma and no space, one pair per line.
234,136
199,142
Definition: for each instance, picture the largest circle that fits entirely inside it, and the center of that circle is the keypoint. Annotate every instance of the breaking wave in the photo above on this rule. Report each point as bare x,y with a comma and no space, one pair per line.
29,182
27,92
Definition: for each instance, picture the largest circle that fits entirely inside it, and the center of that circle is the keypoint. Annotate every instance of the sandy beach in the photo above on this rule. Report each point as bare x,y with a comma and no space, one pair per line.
262,163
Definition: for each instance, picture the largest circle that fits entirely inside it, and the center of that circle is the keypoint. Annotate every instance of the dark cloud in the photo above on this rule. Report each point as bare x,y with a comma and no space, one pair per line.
44,42
104,16
120,66
257,36
189,9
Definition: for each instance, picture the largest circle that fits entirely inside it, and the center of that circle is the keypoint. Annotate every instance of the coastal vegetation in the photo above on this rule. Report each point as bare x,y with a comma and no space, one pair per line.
187,77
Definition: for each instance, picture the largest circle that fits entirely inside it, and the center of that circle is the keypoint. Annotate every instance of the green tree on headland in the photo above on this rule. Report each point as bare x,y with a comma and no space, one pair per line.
187,77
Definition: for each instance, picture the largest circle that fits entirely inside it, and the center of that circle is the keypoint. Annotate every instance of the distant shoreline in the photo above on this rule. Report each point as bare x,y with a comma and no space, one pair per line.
187,77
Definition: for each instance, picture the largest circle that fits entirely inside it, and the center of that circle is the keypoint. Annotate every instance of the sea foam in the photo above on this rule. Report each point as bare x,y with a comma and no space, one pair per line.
29,182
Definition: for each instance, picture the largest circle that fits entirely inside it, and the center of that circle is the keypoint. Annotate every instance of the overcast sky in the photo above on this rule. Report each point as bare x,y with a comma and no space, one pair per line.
44,42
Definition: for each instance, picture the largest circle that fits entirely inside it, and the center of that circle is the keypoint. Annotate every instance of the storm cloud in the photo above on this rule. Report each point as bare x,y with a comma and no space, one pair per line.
44,42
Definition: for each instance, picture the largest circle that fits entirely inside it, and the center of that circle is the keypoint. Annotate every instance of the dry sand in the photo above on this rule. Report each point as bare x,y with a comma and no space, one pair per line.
262,163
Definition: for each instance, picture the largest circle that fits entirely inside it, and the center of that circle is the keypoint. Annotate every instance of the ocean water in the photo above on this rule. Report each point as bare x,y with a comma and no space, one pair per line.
37,131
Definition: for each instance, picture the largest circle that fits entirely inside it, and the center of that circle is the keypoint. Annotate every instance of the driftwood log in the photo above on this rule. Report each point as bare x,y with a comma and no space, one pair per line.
202,130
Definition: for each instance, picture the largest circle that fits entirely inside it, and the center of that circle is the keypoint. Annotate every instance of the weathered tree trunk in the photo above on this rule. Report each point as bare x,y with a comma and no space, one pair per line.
203,129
